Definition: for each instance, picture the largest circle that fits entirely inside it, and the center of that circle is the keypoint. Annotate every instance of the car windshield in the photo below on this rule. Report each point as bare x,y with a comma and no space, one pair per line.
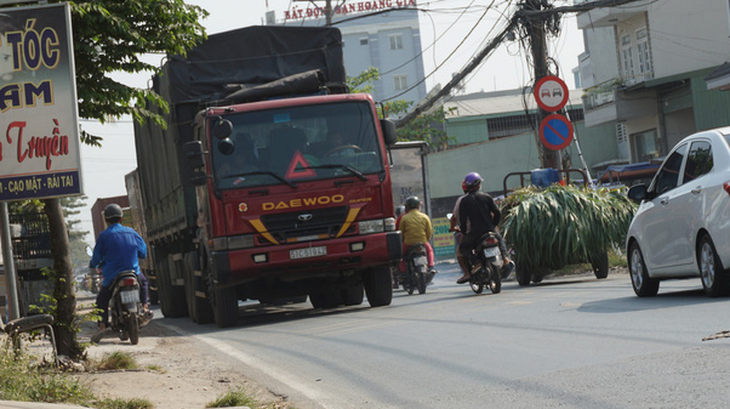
293,144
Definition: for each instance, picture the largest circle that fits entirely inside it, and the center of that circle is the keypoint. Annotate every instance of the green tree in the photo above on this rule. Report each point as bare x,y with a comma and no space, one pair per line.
109,37
427,127
76,236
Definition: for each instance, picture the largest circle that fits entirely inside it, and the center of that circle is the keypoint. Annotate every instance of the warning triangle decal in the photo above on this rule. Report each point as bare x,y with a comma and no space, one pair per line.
303,170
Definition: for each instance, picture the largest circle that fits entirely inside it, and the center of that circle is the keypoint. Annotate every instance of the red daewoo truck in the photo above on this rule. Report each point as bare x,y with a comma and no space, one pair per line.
271,182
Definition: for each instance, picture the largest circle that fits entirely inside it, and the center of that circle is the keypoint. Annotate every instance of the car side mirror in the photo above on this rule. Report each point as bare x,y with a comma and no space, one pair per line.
390,134
637,193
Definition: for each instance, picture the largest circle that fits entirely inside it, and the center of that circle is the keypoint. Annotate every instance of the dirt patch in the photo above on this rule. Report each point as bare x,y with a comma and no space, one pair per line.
176,372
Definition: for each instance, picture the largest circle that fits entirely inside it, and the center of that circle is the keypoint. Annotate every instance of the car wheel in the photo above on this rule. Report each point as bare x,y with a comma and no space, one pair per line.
714,281
644,286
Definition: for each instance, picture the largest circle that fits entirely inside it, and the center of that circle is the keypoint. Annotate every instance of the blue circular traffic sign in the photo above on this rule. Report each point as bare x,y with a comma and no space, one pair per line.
556,132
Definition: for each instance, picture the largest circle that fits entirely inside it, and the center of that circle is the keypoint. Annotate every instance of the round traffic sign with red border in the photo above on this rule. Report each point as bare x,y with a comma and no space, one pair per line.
551,93
556,132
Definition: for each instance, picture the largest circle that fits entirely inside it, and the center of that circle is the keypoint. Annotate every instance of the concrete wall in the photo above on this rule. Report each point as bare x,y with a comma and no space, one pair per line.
687,36
495,159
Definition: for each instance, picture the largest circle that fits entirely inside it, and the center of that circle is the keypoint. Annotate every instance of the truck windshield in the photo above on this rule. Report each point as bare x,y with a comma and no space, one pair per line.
294,144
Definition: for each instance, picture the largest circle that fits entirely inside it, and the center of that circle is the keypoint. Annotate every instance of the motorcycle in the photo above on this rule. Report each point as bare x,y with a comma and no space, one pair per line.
94,281
416,275
125,307
486,264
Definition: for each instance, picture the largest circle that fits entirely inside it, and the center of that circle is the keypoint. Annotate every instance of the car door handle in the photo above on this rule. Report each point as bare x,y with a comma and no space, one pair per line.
696,190
664,201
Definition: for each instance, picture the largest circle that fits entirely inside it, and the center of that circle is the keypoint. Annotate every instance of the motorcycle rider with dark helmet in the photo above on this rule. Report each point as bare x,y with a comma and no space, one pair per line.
477,215
117,249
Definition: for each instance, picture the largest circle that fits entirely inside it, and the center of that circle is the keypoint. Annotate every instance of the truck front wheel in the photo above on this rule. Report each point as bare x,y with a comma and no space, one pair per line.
225,306
378,286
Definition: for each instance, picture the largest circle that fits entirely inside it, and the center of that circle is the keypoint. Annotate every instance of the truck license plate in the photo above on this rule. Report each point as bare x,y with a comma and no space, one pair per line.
129,297
308,252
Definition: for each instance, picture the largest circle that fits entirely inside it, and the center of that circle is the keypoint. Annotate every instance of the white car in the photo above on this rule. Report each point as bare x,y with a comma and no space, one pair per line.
682,226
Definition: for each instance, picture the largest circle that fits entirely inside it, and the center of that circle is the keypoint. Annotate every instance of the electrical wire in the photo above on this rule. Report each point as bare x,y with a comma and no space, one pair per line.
446,59
433,44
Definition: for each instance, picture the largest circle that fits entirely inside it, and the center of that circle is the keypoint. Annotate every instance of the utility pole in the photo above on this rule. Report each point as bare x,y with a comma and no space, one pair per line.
327,10
535,25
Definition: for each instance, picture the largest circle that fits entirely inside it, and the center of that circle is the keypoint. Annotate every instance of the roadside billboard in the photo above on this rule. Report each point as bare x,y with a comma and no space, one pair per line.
39,145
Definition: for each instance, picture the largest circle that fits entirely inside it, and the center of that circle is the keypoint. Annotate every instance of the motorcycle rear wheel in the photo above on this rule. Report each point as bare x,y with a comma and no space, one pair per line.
495,279
421,282
476,283
133,328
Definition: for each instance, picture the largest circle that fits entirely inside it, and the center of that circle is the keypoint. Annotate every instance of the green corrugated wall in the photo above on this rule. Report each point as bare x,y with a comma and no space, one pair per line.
711,108
495,159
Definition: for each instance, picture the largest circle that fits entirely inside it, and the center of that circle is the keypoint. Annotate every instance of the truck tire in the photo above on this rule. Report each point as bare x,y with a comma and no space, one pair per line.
172,298
378,286
225,306
199,308
352,295
164,290
154,295
325,299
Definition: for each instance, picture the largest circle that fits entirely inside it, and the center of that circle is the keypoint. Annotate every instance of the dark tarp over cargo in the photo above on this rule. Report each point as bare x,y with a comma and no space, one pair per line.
253,56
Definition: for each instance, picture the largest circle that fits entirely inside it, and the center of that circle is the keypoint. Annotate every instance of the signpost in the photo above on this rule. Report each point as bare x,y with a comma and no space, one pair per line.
39,148
40,145
556,132
551,93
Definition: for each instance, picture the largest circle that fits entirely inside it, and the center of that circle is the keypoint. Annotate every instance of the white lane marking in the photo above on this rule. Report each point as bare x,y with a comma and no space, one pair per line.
265,367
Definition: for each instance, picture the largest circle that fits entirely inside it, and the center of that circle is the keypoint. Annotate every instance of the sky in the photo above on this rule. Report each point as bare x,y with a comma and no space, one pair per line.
104,168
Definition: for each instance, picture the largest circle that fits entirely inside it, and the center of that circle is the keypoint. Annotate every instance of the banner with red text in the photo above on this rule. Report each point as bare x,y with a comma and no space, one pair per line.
39,145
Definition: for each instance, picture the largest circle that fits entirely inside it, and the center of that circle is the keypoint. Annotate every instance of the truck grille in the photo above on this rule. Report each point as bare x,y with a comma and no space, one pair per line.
305,223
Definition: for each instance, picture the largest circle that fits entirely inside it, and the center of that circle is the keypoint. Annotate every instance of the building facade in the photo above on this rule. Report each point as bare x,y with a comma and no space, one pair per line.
495,134
384,34
644,72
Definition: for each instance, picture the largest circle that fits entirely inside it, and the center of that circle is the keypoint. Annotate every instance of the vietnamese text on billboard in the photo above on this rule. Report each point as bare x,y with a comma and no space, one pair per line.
39,145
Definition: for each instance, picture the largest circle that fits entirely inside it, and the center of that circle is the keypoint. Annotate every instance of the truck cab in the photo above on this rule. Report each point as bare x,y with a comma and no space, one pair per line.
296,201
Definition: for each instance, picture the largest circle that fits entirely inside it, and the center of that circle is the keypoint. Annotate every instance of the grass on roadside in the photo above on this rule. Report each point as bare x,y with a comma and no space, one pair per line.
232,398
22,379
134,403
117,360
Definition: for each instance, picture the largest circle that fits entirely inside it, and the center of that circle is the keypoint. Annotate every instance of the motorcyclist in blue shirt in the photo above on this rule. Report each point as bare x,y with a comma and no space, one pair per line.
117,249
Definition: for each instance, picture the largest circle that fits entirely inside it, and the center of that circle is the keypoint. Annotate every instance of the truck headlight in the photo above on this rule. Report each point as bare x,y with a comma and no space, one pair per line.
232,243
377,226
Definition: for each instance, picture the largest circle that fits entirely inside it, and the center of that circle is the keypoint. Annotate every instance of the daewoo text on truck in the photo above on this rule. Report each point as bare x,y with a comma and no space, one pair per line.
271,182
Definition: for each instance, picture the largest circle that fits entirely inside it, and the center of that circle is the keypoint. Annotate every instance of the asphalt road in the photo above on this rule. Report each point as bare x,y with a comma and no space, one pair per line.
573,342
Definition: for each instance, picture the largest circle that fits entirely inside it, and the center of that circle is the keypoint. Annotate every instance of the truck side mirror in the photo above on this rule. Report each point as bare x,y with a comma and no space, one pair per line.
194,154
222,128
226,146
390,134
